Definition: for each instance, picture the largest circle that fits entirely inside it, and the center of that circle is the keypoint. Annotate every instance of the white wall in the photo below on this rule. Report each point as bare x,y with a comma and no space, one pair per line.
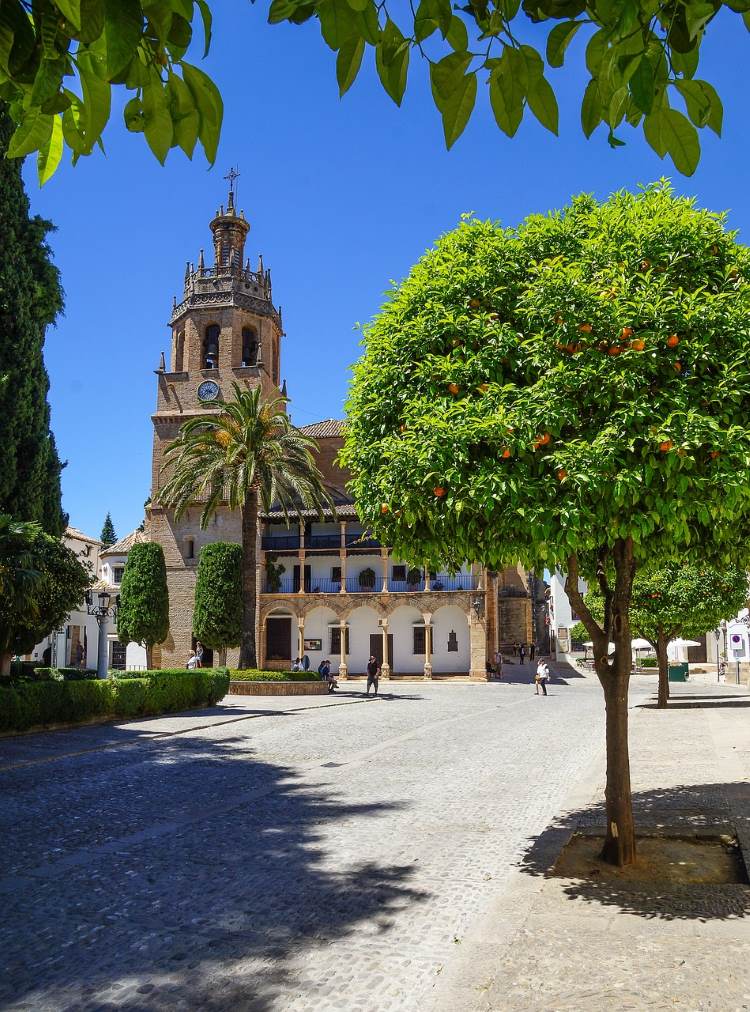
447,619
317,626
363,622
401,627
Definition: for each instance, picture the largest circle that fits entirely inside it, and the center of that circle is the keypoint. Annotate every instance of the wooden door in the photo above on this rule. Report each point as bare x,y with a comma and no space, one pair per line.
376,647
279,638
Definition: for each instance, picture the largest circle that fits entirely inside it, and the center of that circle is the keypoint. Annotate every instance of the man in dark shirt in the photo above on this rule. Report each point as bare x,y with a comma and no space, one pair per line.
373,670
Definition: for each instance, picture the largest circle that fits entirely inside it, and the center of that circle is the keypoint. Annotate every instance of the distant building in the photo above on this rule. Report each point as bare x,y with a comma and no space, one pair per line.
74,643
327,588
561,613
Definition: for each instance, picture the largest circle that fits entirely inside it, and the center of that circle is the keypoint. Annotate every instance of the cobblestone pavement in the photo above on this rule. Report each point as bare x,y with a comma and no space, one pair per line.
296,853
575,945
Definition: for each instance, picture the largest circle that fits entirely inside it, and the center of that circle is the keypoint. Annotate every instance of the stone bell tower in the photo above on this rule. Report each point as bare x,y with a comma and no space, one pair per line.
225,329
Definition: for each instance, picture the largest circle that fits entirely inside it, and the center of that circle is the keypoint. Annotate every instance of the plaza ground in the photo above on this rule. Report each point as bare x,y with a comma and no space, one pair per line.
343,853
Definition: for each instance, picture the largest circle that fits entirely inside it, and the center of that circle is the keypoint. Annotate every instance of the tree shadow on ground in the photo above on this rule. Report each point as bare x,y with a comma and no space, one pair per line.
697,703
685,811
183,873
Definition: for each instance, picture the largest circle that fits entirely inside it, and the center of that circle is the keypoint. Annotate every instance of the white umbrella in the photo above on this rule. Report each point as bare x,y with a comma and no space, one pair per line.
679,642
610,649
641,644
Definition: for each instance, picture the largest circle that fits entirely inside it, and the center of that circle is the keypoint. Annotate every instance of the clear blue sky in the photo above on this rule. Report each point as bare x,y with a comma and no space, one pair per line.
342,196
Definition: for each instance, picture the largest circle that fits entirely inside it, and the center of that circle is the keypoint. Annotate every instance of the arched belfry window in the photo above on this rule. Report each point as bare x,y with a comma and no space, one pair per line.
249,346
179,351
211,347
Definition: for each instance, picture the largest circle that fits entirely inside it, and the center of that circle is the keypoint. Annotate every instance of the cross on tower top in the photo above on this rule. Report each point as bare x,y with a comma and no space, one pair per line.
231,176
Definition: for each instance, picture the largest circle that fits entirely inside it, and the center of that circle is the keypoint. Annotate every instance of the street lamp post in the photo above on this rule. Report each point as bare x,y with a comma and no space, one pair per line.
102,611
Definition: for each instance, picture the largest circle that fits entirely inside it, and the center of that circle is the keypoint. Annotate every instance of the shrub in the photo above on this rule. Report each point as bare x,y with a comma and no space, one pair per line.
255,675
35,704
66,674
648,662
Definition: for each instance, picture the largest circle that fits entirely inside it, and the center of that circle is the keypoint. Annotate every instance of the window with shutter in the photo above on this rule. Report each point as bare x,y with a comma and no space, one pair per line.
419,639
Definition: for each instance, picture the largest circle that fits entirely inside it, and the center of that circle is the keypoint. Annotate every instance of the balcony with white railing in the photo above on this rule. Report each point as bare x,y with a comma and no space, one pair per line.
373,584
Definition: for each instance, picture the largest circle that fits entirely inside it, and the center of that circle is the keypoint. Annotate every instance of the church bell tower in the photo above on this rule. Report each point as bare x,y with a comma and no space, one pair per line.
225,329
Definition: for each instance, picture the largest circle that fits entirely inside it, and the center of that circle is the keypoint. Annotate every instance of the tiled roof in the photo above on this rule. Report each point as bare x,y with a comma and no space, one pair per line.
123,546
344,507
73,532
328,427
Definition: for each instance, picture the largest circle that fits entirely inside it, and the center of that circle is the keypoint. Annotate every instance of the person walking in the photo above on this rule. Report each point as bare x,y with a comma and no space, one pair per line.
532,651
541,677
522,652
498,664
199,653
373,672
516,645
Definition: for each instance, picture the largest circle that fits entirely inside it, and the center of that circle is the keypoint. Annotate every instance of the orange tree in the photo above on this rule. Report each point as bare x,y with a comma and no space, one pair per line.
679,599
572,392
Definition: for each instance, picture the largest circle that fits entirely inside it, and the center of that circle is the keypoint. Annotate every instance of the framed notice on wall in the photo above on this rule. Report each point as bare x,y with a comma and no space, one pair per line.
313,645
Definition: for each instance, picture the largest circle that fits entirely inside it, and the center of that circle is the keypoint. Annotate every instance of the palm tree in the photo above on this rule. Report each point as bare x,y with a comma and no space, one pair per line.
246,455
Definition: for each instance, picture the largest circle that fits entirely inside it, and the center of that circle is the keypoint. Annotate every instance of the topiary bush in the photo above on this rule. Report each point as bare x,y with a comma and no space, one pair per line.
256,675
37,704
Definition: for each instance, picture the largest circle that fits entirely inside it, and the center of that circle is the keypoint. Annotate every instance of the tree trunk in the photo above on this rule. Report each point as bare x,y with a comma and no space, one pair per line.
222,657
248,652
149,656
663,661
5,659
619,842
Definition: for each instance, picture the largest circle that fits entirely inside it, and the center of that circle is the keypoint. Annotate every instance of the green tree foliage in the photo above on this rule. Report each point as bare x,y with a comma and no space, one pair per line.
59,65
579,633
108,536
41,580
143,614
572,392
217,618
245,455
30,299
679,599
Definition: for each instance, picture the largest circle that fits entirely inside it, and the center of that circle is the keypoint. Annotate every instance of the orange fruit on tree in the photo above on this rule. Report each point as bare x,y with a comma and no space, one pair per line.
475,303
714,454
562,473
558,319
585,328
571,348
453,388
384,507
483,388
666,445
645,264
677,366
638,344
672,341
614,350
439,491
626,332
505,453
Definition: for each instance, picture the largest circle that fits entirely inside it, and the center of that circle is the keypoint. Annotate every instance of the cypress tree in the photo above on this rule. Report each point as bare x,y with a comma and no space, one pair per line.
30,299
143,615
217,617
108,536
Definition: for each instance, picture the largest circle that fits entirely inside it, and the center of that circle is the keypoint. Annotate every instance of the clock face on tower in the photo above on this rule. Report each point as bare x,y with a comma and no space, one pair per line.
208,391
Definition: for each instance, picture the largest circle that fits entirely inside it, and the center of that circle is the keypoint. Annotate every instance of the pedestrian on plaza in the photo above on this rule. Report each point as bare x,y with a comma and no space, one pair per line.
199,653
522,652
516,645
321,668
297,666
373,674
532,651
192,662
305,663
541,677
498,664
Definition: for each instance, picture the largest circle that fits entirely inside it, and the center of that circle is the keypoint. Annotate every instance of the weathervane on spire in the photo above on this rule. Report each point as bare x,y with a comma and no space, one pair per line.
231,176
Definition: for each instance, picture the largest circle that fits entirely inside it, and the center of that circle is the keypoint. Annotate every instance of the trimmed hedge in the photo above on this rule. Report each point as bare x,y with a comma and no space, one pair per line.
35,704
255,675
648,662
67,674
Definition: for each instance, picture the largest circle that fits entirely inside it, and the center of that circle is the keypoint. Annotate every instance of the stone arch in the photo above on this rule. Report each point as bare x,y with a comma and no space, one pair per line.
363,622
319,619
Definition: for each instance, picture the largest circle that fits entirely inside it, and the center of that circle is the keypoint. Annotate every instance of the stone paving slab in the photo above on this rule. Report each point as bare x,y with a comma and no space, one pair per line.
562,944
331,856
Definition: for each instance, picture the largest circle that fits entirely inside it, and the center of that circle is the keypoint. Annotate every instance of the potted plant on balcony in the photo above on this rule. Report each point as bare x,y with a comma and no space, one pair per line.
274,572
367,579
413,579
